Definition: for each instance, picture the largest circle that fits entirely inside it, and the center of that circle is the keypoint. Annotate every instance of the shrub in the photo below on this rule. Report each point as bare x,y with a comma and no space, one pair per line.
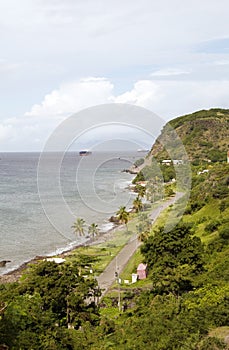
224,233
139,162
212,226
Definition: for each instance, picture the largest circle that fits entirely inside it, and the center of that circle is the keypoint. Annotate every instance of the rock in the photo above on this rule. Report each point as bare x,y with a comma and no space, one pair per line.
114,219
4,262
131,171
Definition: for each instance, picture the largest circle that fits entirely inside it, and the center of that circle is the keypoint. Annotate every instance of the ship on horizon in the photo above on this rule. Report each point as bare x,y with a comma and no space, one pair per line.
84,153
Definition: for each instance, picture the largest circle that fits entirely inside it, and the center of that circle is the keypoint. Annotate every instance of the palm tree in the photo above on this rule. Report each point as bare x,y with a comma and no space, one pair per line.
143,236
137,204
78,226
123,215
93,230
141,190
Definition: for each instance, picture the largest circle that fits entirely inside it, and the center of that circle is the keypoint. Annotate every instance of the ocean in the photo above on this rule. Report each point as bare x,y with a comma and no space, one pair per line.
36,215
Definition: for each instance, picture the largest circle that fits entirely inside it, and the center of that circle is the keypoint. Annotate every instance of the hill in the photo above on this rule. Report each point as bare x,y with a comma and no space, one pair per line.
204,134
184,302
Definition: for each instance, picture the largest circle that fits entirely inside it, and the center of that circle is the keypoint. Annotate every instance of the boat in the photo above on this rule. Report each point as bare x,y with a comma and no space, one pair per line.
143,150
84,153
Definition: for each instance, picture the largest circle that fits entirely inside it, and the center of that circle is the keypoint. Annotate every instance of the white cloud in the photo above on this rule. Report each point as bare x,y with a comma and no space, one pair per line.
169,72
5,133
144,93
167,98
154,54
221,62
72,97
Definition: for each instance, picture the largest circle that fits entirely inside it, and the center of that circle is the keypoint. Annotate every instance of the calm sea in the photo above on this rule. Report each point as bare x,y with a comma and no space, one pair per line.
91,188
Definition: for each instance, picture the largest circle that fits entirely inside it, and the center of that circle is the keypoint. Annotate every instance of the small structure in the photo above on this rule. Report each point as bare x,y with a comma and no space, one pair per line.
174,161
142,271
166,161
178,161
203,171
56,260
134,277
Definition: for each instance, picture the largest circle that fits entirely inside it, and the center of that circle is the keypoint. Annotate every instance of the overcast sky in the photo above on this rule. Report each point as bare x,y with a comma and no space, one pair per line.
60,56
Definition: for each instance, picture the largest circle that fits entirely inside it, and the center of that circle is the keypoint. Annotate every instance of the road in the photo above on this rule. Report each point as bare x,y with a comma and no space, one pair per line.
107,277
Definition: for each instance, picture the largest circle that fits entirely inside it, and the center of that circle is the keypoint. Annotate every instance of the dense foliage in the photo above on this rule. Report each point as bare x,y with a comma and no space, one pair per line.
186,303
39,310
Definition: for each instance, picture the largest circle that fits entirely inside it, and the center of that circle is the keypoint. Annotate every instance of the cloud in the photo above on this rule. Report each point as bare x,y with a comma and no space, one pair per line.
169,72
144,93
5,133
224,62
167,98
72,97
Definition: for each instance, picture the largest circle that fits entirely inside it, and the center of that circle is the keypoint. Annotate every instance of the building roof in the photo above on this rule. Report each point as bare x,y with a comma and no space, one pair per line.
56,260
142,267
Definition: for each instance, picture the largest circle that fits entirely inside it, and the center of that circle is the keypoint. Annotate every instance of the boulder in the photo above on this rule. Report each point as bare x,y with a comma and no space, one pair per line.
4,262
114,219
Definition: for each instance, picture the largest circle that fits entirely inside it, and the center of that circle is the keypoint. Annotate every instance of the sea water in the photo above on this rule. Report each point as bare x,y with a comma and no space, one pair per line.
29,228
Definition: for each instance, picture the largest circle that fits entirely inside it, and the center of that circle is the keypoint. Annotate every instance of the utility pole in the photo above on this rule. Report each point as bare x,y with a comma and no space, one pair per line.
118,281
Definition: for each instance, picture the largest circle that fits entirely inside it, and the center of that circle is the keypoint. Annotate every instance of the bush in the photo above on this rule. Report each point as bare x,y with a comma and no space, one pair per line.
139,177
224,233
212,343
139,162
212,226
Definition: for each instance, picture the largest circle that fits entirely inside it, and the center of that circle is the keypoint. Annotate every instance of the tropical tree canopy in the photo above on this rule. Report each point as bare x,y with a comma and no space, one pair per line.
79,226
93,230
123,215
137,204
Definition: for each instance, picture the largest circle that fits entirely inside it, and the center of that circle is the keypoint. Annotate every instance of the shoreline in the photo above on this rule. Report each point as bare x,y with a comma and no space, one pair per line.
15,274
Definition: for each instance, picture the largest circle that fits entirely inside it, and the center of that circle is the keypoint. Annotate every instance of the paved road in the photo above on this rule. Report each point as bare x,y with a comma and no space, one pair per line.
107,277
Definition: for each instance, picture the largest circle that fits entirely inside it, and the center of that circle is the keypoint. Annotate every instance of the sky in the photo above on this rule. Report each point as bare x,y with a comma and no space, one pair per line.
58,57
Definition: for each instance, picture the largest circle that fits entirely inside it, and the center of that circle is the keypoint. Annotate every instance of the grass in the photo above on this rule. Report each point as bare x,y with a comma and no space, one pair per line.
220,332
106,251
202,217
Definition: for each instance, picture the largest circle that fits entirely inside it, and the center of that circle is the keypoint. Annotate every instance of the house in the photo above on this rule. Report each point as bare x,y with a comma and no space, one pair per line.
56,260
166,161
142,271
174,161
178,161
203,171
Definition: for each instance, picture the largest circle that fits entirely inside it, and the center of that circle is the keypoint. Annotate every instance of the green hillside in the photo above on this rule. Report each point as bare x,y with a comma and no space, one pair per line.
205,135
184,302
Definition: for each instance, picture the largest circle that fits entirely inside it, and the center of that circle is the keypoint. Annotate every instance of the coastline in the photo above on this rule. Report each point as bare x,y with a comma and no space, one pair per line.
15,274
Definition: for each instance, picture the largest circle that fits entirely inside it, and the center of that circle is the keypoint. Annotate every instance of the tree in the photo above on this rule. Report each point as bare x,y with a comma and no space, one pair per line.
123,215
137,204
141,190
93,230
78,226
173,258
143,236
143,227
50,298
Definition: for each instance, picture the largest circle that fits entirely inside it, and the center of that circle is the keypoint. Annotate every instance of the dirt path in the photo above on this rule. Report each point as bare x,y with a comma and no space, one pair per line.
107,277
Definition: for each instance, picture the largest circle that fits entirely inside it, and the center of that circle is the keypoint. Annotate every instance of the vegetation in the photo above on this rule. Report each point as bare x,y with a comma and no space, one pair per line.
183,303
93,230
123,215
79,226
